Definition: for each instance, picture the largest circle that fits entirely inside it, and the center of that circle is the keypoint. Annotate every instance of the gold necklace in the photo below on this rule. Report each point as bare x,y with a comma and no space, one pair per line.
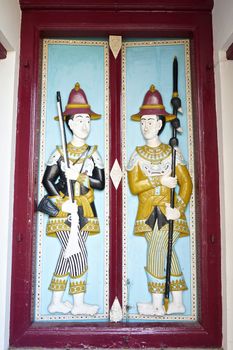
74,150
154,154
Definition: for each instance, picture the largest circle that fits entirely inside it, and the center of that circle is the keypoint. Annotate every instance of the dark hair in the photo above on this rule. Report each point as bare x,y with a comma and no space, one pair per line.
68,118
162,118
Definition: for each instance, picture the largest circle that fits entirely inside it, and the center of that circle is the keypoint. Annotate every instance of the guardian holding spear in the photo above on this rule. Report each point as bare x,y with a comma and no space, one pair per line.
150,178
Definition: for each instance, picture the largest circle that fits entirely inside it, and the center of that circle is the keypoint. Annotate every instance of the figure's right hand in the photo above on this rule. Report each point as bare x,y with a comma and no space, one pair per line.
72,173
168,181
172,213
69,207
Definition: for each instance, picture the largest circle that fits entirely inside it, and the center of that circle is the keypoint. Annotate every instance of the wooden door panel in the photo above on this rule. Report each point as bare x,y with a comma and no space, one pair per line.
145,63
65,63
194,25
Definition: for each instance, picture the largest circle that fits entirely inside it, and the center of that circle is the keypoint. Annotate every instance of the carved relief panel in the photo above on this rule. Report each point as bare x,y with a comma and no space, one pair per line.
74,285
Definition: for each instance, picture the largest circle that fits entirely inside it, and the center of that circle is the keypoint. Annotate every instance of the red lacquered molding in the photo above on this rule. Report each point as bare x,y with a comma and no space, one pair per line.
3,52
230,52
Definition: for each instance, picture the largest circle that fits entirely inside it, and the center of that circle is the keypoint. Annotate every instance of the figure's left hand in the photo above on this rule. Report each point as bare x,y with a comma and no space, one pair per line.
72,173
172,213
69,207
83,179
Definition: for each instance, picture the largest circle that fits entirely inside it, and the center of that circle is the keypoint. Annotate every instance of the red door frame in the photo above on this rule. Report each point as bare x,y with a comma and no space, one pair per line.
185,22
3,51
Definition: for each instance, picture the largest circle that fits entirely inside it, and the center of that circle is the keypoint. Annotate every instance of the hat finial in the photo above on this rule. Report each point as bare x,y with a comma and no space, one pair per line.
77,86
152,88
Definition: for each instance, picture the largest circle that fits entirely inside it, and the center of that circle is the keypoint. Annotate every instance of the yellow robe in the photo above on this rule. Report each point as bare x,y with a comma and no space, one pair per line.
146,167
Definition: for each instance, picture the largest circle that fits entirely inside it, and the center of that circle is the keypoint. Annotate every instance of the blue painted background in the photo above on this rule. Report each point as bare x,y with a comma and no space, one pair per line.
146,66
68,64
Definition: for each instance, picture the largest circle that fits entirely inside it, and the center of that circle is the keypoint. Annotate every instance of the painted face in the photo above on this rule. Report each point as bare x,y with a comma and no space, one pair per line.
150,126
80,125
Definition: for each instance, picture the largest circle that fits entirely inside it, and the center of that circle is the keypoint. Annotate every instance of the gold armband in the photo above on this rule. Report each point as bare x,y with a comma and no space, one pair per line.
180,204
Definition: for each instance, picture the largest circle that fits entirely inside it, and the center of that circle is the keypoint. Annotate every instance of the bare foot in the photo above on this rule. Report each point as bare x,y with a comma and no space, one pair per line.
60,307
84,309
174,308
150,310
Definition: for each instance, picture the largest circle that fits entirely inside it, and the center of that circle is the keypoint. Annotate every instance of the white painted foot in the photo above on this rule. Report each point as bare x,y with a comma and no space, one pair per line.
148,309
84,309
173,308
176,306
60,307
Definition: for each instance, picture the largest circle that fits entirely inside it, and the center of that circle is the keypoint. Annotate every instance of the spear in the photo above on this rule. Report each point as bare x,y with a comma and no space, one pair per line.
175,123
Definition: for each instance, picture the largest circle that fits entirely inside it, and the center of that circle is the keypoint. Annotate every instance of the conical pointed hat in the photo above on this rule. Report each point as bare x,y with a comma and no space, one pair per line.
153,104
77,103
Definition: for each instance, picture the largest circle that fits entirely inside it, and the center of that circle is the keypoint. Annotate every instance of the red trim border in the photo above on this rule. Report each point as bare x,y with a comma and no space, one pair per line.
3,52
197,26
229,52
182,5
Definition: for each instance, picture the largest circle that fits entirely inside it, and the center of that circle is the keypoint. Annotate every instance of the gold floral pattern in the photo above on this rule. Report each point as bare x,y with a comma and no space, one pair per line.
154,154
77,287
159,288
180,225
75,152
58,284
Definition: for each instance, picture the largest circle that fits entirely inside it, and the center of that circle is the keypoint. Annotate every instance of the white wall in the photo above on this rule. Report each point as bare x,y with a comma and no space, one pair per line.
223,37
10,19
222,25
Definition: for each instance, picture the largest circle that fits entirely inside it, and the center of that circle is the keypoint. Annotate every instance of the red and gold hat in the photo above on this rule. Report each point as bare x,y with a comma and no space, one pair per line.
77,103
153,104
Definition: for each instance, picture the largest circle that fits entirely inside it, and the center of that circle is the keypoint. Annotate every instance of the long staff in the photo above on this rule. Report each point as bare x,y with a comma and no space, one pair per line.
176,103
64,143
73,246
